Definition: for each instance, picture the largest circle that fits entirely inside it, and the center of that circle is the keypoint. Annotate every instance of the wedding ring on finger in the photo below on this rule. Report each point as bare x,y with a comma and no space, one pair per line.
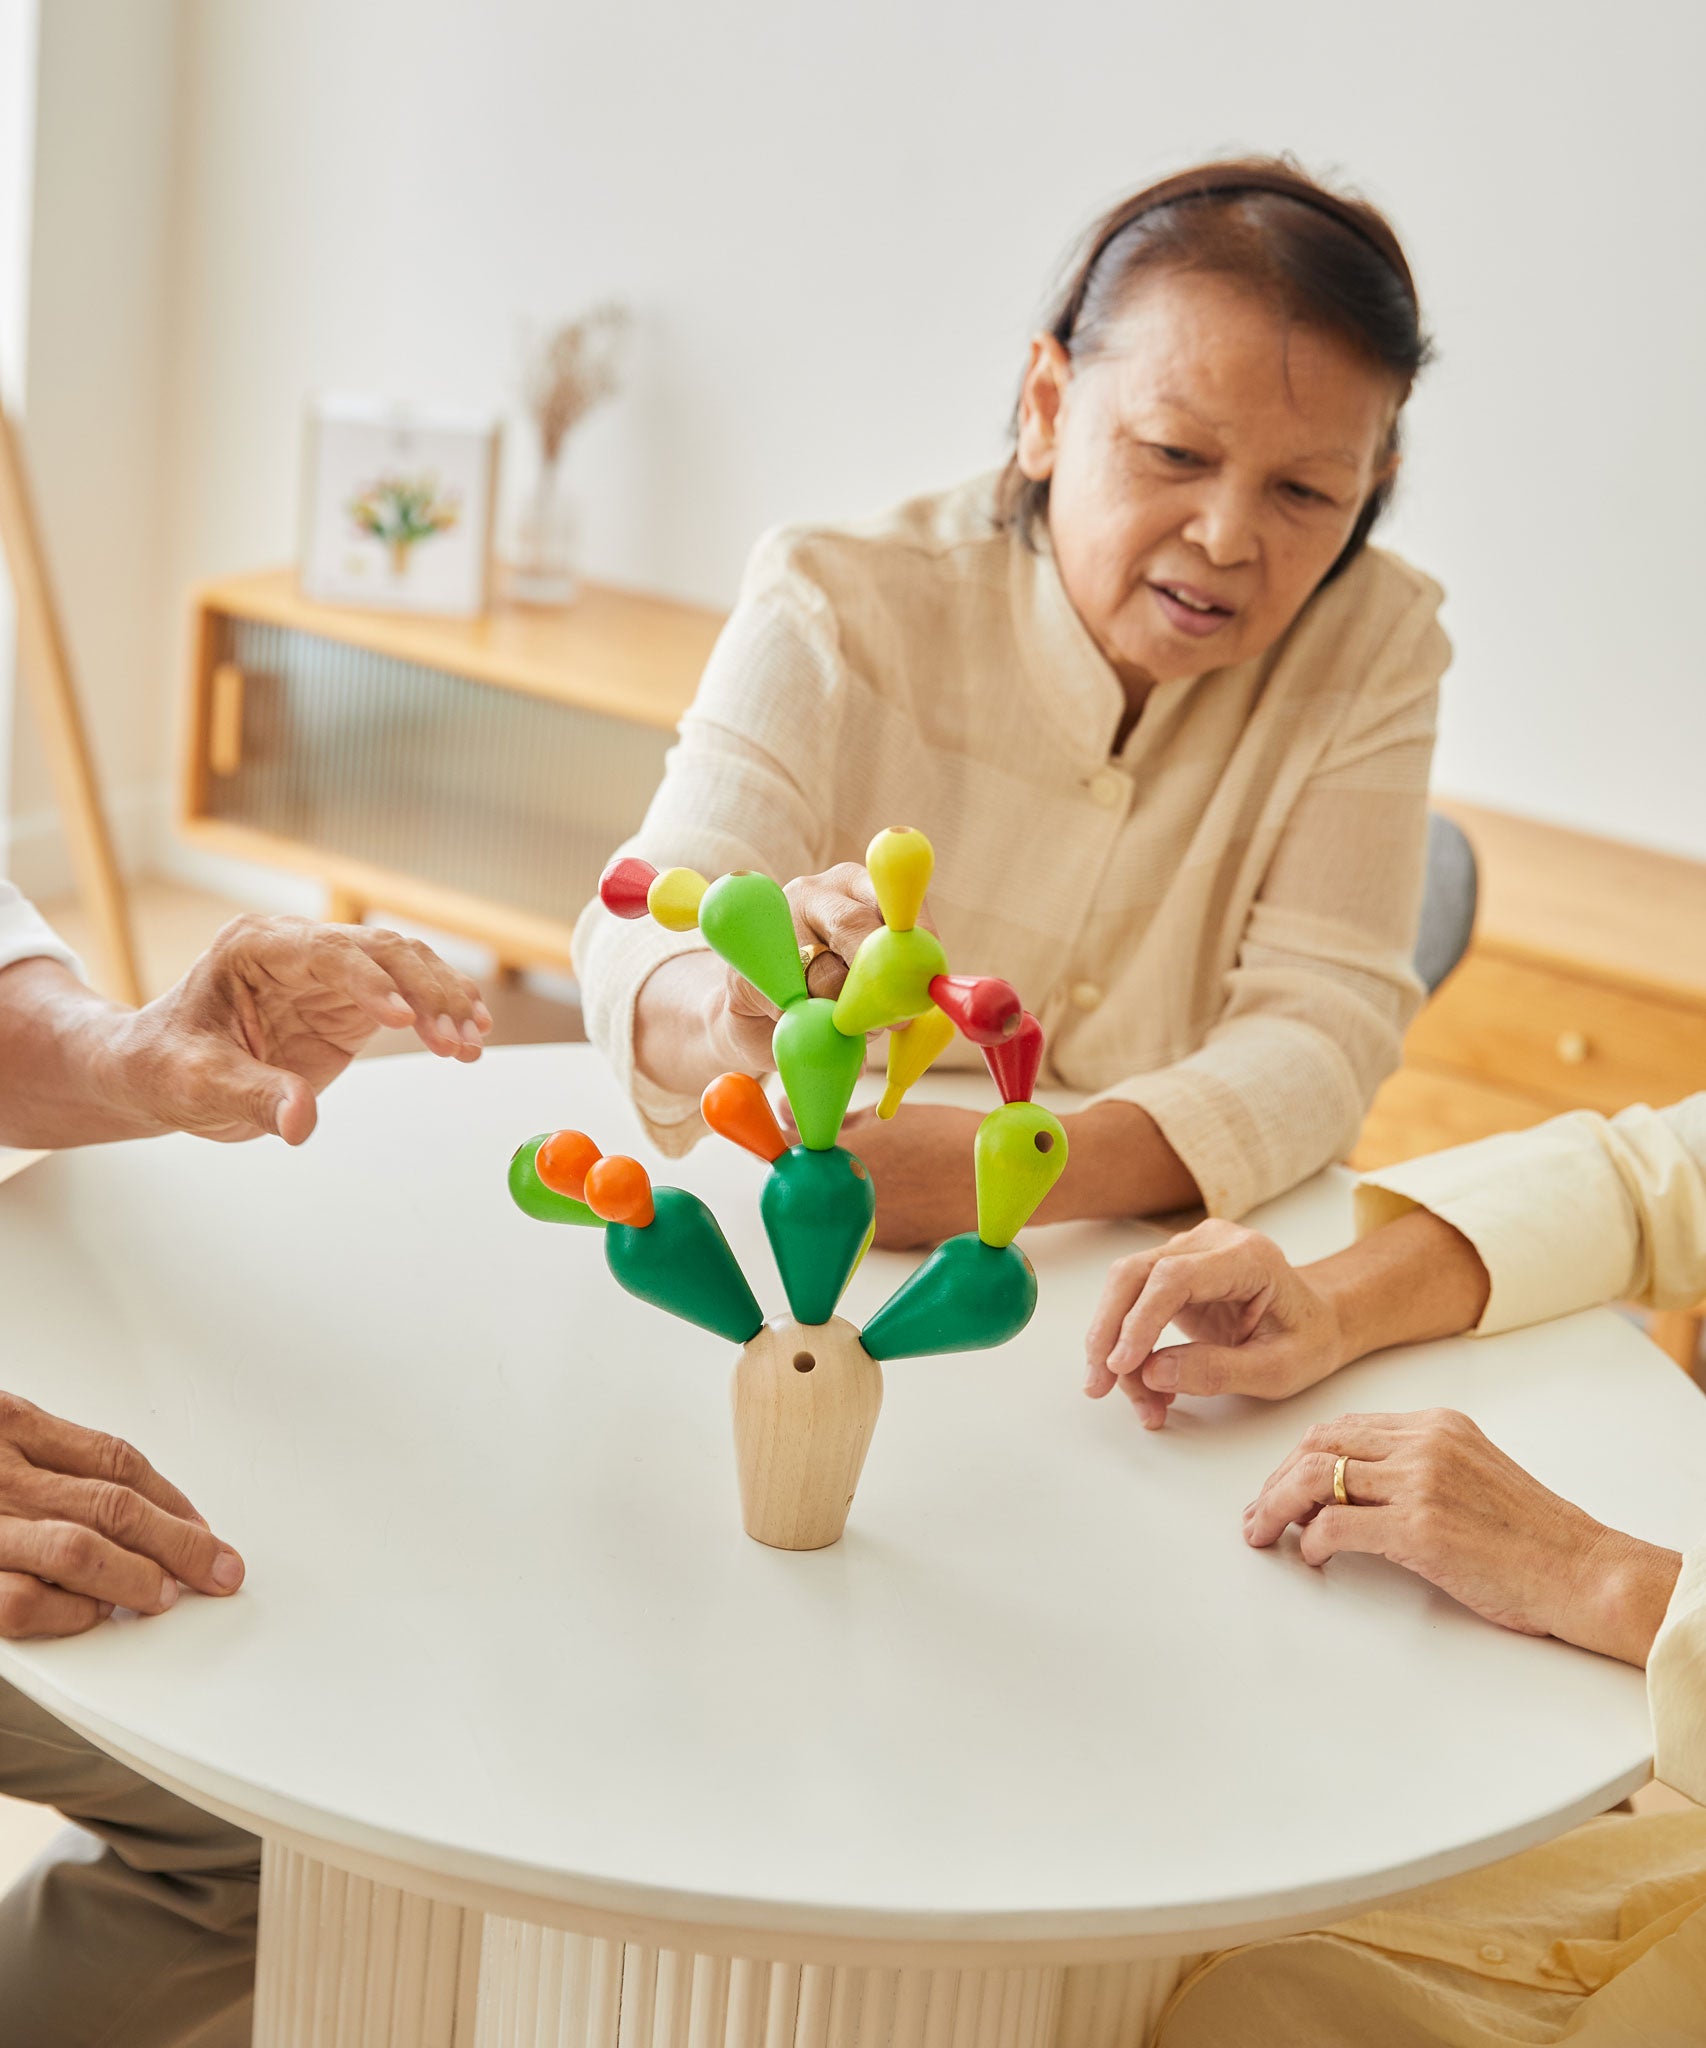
1339,1493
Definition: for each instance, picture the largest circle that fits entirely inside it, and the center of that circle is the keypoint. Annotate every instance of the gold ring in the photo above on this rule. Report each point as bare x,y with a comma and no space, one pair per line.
1339,1493
810,950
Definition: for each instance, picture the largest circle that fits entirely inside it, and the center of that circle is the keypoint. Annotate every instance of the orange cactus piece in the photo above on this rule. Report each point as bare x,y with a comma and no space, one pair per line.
737,1108
620,1190
563,1162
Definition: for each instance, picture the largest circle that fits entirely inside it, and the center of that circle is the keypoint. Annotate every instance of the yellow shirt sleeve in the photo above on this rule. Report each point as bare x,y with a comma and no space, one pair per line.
1582,1210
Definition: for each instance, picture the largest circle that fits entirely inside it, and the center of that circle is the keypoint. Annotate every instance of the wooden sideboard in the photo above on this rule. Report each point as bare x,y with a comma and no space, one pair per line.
472,774
1585,987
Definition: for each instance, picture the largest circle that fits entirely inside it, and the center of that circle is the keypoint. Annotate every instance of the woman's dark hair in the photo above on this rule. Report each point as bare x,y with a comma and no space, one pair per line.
1328,261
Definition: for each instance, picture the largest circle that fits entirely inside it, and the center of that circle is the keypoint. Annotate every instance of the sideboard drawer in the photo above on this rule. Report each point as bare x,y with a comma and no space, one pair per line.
1567,1041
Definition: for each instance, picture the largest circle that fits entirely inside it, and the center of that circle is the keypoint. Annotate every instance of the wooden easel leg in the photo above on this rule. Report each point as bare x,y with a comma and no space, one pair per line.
47,670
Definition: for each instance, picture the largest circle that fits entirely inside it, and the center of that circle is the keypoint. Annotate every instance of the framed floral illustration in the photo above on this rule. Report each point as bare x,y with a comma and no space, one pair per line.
397,507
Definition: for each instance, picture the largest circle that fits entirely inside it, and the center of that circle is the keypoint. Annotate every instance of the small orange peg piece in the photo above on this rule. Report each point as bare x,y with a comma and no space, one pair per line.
986,1008
624,885
620,1190
1016,1060
562,1163
737,1108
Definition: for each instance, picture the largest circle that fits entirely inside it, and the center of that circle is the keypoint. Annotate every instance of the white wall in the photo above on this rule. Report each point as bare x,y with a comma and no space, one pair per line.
17,177
837,223
99,288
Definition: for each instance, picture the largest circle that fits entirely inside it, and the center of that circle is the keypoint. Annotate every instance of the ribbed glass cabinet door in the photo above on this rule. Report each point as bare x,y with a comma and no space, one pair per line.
491,791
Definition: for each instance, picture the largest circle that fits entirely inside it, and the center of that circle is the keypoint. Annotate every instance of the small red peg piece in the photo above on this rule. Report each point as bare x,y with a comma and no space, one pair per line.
736,1108
623,886
563,1161
1015,1062
984,1007
620,1190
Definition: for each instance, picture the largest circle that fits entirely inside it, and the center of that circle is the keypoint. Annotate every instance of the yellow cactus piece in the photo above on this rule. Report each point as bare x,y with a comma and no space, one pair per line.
900,863
673,899
911,1052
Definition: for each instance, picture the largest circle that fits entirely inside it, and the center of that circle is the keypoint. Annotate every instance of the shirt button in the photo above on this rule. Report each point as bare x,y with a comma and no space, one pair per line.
1087,994
1107,788
1491,1952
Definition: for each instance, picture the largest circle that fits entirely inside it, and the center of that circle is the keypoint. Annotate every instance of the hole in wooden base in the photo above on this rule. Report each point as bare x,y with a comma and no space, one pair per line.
803,1361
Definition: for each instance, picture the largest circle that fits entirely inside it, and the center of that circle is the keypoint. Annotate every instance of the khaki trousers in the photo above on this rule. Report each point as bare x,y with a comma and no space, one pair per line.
139,1932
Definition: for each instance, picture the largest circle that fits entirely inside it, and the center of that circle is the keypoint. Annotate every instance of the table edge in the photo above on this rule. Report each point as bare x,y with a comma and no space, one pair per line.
659,1916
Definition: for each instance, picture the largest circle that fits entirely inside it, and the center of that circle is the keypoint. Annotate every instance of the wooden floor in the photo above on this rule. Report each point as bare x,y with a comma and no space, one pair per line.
173,925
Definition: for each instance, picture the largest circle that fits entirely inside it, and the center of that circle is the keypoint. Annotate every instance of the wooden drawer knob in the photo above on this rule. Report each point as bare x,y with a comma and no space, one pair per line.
1573,1048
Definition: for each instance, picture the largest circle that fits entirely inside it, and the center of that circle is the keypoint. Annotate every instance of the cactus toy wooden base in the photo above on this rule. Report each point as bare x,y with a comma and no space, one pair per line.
806,1398
807,1391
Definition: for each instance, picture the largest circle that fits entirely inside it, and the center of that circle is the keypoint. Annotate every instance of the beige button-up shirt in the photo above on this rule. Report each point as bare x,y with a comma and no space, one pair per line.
1215,924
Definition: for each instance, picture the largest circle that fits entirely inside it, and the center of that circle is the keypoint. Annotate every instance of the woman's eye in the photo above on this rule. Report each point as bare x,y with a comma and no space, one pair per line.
1176,458
1303,494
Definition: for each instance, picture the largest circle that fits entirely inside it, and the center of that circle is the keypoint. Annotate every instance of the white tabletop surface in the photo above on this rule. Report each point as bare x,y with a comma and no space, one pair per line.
501,1621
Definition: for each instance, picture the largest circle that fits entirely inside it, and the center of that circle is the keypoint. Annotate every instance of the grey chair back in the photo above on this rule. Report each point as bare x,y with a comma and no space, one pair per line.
1448,902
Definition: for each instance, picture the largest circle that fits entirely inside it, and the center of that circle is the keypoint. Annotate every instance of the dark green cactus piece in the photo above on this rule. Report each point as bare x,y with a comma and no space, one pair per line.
967,1296
817,1207
681,1262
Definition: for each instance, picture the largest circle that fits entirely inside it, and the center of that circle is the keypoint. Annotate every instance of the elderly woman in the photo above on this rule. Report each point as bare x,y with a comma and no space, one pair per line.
1600,1937
1165,714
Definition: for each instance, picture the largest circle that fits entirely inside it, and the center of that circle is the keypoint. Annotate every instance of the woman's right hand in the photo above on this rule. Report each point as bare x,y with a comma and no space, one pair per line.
836,910
1256,1325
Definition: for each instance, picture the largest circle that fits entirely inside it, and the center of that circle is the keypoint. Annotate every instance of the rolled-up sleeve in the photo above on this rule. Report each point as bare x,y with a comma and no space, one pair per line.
26,935
759,738
1582,1210
1323,989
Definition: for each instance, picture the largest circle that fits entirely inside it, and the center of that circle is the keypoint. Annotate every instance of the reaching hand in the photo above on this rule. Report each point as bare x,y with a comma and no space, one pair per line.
270,1015
87,1525
1256,1325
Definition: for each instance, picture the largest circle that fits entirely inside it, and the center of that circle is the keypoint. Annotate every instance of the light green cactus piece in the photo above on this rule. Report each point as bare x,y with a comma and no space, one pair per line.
1019,1154
746,919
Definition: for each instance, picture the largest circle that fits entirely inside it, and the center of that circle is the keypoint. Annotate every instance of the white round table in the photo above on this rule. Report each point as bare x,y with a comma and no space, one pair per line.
544,1749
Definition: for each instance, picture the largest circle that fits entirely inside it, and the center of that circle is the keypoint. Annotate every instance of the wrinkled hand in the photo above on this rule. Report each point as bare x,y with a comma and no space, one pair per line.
920,1161
836,910
270,1015
1431,1493
1255,1325
87,1525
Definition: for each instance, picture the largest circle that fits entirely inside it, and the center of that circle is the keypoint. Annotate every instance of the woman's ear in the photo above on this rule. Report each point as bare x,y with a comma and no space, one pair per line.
1047,375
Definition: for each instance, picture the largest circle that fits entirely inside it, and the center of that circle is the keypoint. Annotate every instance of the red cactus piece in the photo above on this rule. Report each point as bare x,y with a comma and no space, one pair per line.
1015,1061
623,885
984,1007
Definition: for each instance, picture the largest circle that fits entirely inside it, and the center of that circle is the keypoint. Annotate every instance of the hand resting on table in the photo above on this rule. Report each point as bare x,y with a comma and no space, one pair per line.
87,1525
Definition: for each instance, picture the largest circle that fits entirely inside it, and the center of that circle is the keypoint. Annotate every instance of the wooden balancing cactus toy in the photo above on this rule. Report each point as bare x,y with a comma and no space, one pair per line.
807,1387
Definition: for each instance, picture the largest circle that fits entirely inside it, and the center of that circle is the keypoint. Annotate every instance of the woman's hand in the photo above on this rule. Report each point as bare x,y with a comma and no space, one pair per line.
274,1011
1257,1326
697,1018
87,1525
1429,1492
